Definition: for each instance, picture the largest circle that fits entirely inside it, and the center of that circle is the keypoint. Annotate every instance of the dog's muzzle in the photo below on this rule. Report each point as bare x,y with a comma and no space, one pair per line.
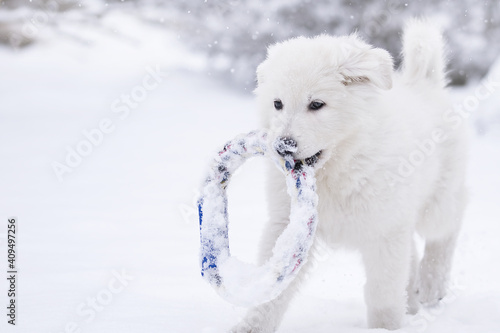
286,147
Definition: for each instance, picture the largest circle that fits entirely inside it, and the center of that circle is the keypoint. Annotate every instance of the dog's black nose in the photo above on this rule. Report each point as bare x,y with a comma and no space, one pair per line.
285,146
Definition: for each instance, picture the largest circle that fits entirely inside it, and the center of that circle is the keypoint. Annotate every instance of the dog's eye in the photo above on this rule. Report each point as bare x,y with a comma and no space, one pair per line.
316,105
278,105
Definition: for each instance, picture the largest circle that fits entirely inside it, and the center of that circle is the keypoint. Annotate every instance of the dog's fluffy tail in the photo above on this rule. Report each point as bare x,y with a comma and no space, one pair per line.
423,53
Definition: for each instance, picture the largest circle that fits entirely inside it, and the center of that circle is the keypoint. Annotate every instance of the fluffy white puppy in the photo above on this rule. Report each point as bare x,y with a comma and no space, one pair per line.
390,158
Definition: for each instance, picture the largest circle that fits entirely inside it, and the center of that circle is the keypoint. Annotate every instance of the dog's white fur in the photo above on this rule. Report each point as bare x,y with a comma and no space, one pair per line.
392,163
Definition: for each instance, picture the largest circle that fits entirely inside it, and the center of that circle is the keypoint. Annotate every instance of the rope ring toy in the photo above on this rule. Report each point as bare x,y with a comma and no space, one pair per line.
242,283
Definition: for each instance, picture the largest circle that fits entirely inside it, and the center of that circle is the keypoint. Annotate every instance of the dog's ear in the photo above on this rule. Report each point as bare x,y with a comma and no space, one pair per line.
366,65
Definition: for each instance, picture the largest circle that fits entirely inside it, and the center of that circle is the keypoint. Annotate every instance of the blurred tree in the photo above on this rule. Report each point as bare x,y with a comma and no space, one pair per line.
235,33
20,20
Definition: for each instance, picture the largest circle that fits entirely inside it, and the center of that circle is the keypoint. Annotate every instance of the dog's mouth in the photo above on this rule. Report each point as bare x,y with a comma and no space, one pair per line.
313,159
286,147
309,161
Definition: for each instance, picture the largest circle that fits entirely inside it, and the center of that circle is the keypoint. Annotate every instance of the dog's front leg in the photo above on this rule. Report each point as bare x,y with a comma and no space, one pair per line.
387,263
266,318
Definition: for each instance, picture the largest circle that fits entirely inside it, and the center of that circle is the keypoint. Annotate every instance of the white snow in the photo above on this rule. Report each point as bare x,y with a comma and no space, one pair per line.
113,247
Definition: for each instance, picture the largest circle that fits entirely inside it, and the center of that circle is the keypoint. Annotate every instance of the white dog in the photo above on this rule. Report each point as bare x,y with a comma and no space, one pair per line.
389,154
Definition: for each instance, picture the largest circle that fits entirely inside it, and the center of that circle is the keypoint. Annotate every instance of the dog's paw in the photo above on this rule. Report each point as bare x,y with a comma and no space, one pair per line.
257,320
431,291
245,327
388,318
413,303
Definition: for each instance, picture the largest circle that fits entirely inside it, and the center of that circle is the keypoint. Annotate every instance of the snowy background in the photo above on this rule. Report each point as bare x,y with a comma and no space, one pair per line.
145,92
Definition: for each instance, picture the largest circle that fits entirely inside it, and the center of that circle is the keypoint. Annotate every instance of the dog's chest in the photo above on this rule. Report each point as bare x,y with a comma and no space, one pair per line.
348,204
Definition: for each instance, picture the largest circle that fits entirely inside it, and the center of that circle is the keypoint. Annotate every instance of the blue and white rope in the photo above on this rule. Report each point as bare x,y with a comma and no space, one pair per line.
242,283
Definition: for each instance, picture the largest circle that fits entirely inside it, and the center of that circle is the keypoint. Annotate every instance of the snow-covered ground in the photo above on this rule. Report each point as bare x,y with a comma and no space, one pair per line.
108,240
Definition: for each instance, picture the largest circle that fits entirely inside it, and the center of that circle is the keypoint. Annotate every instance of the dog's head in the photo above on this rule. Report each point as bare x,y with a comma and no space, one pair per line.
313,92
